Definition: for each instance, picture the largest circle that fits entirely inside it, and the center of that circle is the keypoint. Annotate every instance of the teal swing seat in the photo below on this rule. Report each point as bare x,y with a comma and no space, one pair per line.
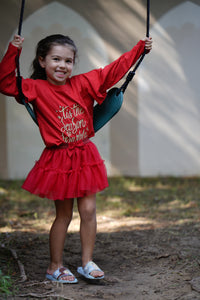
103,113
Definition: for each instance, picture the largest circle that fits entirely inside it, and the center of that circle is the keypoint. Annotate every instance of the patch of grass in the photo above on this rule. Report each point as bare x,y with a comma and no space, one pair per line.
18,206
160,198
5,284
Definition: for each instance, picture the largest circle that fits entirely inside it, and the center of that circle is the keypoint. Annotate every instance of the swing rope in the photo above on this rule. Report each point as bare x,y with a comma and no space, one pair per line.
19,78
21,17
114,99
131,74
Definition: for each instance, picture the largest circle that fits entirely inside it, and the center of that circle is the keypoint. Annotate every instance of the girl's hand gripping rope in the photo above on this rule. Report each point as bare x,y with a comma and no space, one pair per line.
17,41
148,43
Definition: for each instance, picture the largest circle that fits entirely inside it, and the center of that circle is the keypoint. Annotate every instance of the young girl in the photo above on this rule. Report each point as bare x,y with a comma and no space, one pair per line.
70,165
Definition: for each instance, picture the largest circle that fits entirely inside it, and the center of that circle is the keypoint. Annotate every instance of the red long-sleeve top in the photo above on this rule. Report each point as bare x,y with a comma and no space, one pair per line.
65,112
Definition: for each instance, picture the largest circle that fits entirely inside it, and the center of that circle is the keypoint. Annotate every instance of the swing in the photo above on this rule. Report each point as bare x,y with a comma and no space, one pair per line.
103,113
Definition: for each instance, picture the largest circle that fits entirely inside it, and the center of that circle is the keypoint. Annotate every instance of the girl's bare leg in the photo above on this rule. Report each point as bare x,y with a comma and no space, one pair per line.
87,211
64,212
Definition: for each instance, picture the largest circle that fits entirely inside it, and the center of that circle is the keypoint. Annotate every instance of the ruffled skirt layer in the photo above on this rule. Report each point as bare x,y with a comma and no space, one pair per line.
65,172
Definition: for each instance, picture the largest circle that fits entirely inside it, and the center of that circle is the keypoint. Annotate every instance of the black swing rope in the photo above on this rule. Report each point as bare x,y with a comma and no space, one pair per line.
19,79
111,105
131,74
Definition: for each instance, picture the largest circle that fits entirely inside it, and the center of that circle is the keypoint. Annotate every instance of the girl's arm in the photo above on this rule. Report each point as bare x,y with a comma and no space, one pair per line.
98,81
115,71
8,80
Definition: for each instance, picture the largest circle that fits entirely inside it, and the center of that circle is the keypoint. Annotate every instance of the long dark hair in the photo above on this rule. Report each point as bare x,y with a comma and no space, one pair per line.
43,48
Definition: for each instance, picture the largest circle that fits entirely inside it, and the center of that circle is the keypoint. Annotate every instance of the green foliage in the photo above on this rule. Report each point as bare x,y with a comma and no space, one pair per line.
5,284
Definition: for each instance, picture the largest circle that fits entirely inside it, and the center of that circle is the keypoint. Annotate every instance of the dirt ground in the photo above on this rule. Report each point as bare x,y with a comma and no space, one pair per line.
142,260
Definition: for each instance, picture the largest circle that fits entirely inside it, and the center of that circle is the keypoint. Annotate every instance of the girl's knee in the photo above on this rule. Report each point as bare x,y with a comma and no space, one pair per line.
88,213
64,211
87,209
64,217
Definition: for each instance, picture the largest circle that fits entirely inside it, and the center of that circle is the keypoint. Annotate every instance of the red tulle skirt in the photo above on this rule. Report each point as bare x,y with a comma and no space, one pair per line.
65,172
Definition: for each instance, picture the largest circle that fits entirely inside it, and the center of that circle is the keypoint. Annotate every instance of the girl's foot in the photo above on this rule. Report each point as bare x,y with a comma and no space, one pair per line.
62,275
91,271
97,273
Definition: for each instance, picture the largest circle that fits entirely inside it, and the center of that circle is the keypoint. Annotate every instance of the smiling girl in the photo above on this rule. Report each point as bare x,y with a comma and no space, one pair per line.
70,166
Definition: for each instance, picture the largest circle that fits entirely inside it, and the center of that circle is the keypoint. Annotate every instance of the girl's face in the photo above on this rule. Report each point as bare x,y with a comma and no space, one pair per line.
58,64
